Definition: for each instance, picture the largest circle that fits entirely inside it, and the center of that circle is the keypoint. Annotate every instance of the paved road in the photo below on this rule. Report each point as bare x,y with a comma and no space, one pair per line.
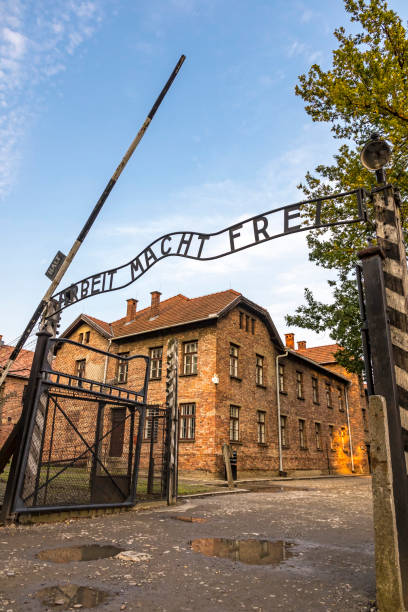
329,564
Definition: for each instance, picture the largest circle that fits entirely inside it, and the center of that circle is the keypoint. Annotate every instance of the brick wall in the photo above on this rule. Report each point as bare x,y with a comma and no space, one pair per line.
11,403
203,453
244,392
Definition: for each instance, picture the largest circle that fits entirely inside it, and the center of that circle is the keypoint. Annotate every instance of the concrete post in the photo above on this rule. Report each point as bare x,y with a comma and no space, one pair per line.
387,565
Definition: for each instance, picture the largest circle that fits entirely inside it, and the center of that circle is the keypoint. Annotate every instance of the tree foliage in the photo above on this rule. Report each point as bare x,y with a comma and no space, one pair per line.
364,91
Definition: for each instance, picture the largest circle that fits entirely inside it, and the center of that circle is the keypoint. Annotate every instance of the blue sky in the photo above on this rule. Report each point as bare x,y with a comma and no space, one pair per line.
230,140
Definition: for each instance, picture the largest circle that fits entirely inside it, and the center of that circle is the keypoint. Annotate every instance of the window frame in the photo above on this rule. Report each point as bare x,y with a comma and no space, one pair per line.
87,336
156,360
259,370
233,360
189,419
193,355
340,398
284,430
122,368
315,390
151,411
80,367
261,426
302,434
299,385
234,423
329,397
331,437
281,376
318,435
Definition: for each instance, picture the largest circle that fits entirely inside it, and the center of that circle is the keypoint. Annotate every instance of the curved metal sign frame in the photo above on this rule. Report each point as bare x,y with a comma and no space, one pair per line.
204,247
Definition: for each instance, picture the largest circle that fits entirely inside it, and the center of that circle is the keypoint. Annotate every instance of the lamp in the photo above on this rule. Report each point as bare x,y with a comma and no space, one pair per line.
375,154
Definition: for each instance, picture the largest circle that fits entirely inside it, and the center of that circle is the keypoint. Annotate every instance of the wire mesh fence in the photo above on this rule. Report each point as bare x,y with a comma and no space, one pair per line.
91,438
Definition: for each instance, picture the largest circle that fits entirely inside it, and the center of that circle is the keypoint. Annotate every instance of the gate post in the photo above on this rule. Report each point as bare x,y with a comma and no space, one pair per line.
386,297
172,416
30,398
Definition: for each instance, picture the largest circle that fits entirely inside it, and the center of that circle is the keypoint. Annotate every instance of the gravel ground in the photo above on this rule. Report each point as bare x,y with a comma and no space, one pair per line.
328,527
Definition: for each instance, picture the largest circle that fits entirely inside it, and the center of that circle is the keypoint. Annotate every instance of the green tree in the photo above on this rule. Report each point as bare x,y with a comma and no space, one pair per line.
364,91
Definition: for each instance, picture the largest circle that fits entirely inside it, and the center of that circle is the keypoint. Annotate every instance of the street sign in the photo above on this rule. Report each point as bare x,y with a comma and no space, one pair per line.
55,265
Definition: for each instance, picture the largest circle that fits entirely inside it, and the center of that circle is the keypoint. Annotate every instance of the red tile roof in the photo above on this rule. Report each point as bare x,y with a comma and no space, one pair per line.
177,310
22,365
321,354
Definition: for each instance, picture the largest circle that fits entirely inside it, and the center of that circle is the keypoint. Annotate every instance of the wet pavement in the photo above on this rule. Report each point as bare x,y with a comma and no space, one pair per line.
307,547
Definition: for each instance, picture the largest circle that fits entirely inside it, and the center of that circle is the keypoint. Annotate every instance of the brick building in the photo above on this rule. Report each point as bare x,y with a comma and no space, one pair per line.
11,392
280,409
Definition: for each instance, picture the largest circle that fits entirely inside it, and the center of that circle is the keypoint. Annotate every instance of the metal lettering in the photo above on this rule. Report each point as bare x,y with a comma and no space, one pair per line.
149,255
162,245
203,239
84,288
288,217
260,230
233,235
318,213
183,241
135,265
95,281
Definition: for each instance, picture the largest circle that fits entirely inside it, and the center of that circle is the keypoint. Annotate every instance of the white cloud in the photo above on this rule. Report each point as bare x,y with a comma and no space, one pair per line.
36,40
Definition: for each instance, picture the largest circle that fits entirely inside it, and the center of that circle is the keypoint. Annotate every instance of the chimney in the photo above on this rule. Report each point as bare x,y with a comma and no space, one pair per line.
1,340
155,305
290,341
301,344
131,310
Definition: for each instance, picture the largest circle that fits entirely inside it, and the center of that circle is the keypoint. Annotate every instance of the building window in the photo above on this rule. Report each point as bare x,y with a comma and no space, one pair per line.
241,320
259,370
253,326
246,322
283,429
318,436
299,385
122,367
187,421
234,360
87,335
152,423
331,436
315,390
80,370
190,357
329,395
302,433
282,379
340,398
156,356
81,338
261,426
234,423
363,410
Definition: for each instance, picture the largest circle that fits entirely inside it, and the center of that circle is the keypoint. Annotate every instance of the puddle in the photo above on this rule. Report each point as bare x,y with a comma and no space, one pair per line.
64,597
252,552
88,552
189,519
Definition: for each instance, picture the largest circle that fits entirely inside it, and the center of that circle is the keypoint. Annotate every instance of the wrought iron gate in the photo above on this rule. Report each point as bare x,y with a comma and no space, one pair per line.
87,439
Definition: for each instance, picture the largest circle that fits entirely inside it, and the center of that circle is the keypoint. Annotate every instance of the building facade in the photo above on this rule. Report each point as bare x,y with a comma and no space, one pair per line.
278,408
11,392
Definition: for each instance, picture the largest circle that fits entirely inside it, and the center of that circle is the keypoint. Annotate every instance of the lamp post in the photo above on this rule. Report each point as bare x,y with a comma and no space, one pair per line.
376,154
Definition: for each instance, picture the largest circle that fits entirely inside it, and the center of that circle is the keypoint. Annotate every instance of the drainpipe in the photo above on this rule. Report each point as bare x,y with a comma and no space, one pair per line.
279,412
348,427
